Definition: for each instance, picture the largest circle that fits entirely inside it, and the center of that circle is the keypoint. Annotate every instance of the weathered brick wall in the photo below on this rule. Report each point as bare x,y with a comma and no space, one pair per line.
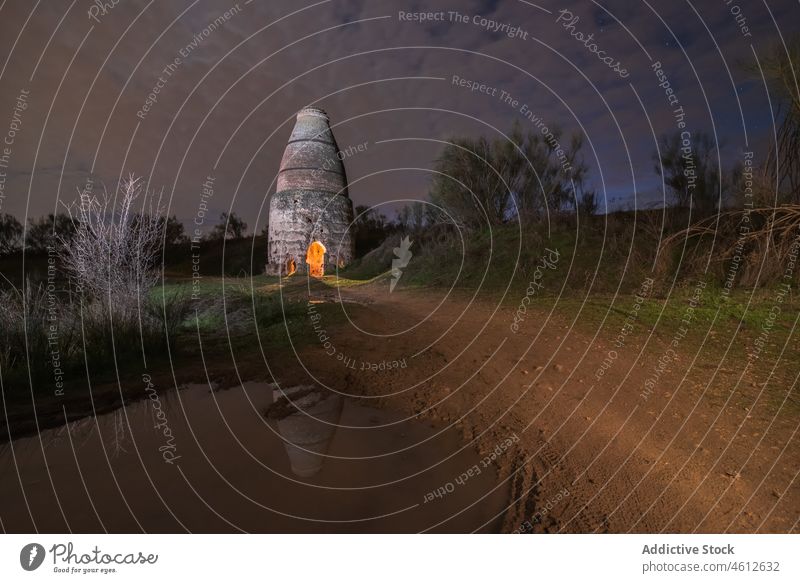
298,217
311,202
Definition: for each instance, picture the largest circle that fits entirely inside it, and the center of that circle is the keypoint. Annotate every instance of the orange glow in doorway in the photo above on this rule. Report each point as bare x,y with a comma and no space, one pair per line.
315,257
291,267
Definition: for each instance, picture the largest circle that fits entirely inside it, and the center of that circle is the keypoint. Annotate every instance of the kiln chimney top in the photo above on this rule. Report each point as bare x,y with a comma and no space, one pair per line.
315,111
311,160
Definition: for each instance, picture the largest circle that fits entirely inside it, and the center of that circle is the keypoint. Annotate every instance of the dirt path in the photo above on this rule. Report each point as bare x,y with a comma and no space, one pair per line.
603,444
472,426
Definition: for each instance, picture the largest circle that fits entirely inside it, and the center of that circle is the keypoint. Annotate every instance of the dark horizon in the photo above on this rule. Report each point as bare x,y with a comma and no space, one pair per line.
227,82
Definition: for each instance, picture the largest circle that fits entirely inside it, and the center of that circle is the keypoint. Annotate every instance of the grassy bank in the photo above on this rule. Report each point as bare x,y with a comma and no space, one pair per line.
591,272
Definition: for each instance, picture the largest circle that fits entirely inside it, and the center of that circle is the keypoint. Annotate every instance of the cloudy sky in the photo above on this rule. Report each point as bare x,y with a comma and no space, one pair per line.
231,76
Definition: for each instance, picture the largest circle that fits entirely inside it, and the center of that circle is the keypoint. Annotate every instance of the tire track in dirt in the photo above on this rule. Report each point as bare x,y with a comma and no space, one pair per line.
583,439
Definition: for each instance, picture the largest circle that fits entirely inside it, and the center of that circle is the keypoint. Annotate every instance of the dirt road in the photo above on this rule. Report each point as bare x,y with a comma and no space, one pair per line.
646,435
459,418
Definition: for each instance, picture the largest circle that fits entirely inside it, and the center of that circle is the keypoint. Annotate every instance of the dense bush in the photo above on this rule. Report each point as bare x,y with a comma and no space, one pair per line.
10,234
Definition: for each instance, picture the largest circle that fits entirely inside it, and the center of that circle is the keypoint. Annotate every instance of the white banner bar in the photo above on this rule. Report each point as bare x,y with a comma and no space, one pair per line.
401,558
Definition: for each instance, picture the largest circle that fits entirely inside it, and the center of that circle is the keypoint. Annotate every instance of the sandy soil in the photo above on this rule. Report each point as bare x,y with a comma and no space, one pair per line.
710,450
453,422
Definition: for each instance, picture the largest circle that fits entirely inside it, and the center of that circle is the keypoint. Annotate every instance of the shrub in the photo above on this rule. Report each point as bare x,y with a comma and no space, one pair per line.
10,234
112,254
114,316
35,329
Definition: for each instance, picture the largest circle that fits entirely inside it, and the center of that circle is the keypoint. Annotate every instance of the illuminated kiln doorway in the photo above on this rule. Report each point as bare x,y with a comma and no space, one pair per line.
315,257
291,266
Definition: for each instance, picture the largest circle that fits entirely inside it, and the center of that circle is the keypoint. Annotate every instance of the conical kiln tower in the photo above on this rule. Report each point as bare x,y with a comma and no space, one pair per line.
310,215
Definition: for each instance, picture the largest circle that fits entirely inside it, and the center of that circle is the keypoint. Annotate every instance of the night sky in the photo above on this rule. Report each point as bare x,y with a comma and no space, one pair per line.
231,76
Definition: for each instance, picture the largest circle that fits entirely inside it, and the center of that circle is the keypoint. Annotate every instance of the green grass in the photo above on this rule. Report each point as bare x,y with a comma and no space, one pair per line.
594,265
510,255
239,258
714,307
234,308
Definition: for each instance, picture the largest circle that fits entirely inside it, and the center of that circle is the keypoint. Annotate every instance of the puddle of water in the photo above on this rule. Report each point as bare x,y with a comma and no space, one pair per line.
210,462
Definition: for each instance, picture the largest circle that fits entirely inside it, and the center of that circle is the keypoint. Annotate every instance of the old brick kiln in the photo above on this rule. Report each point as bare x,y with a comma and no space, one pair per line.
310,212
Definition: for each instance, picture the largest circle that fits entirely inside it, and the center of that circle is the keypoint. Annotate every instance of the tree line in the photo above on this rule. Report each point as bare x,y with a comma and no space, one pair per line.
46,232
481,182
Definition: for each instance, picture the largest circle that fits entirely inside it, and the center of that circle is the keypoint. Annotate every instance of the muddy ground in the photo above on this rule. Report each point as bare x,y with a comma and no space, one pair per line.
455,421
705,447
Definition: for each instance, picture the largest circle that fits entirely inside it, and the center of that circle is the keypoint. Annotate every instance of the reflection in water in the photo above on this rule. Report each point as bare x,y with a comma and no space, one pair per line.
230,469
307,417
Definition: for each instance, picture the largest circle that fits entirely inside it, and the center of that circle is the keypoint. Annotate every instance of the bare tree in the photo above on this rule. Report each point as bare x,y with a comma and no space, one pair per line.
370,228
482,181
174,232
10,234
112,254
781,168
587,203
690,169
231,226
48,231
412,217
